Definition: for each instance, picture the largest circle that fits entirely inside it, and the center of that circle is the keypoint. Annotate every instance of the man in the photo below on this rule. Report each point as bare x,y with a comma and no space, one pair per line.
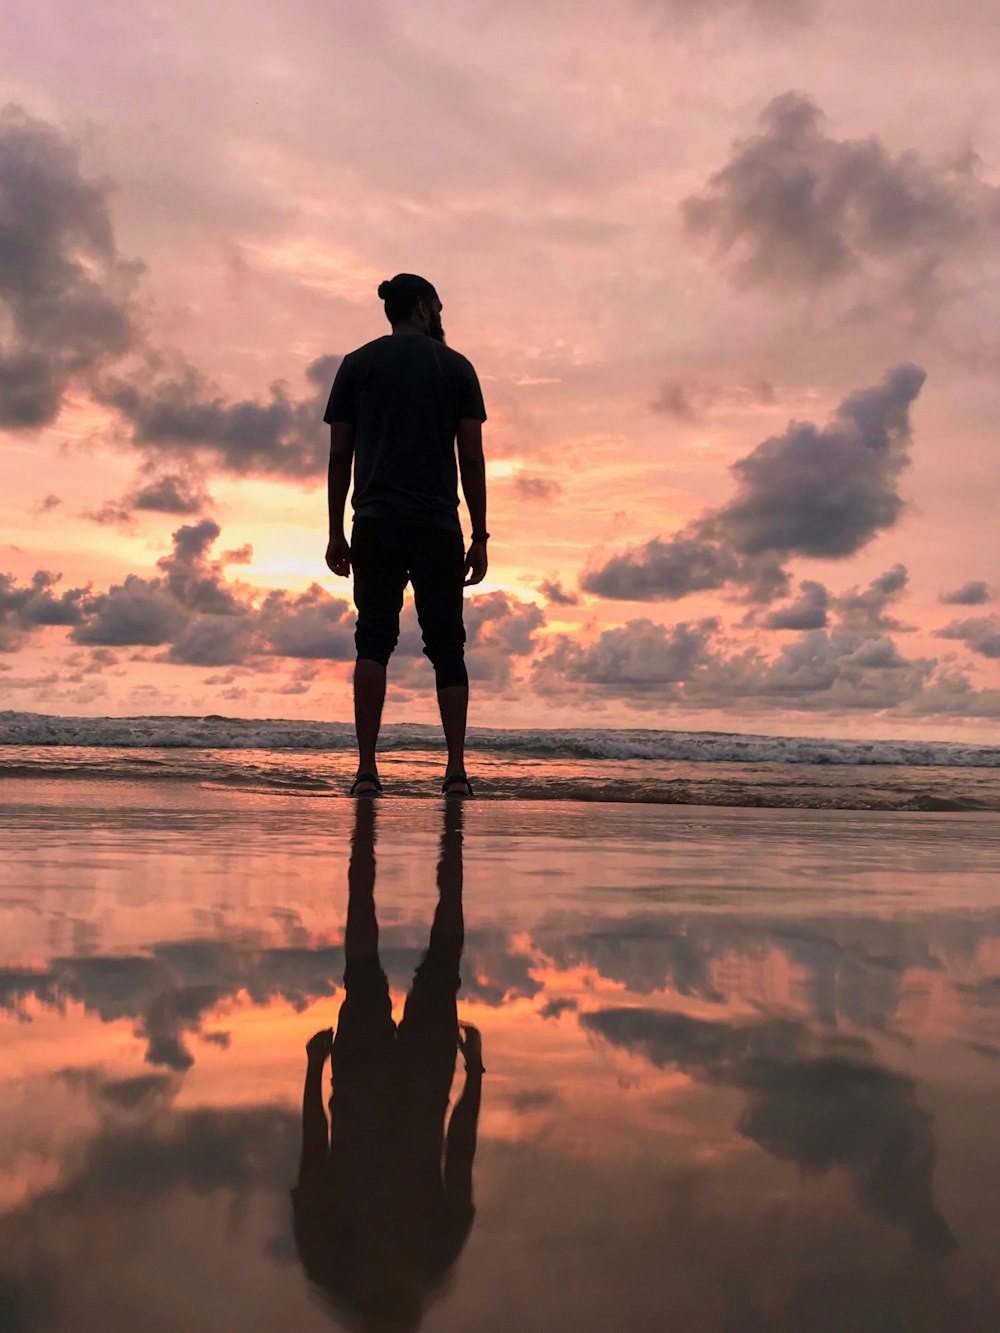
398,407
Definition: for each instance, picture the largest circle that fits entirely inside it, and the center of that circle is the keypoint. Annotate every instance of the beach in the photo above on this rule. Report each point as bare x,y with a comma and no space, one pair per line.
741,1063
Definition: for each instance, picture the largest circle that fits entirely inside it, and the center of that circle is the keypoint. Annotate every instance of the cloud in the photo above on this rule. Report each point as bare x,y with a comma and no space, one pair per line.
69,301
635,657
310,625
529,487
65,292
189,610
973,593
981,634
663,570
808,611
183,416
809,492
553,591
188,606
826,493
169,493
688,664
768,11
135,612
864,609
690,401
27,608
797,208
499,627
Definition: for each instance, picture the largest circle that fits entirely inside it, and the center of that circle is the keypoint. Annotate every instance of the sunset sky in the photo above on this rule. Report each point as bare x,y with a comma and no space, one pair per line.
728,270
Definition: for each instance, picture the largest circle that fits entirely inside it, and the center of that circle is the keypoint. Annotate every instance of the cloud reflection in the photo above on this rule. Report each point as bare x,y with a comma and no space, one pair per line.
816,1108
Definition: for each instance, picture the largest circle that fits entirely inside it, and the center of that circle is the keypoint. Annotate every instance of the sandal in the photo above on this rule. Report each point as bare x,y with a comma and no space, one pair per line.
366,777
449,783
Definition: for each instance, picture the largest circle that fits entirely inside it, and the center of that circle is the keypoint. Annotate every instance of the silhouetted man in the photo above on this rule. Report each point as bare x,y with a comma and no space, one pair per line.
397,409
383,1204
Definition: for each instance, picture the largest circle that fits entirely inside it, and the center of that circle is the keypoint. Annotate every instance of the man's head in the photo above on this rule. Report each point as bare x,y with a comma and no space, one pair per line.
412,302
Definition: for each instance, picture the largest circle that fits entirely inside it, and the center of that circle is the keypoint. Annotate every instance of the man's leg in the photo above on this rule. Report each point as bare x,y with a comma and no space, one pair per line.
437,568
369,696
453,701
380,577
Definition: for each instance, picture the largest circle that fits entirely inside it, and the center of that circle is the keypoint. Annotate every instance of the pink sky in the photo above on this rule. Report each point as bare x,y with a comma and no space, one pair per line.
727,270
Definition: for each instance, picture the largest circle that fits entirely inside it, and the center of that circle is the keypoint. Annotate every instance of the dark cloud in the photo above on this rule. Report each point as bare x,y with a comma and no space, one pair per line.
183,416
817,1109
47,505
826,492
636,657
214,641
135,612
675,399
64,290
689,400
663,570
553,591
817,670
767,11
310,625
24,608
169,493
985,993
189,608
172,1014
796,208
68,301
529,487
808,492
865,608
808,611
973,593
981,634
136,1092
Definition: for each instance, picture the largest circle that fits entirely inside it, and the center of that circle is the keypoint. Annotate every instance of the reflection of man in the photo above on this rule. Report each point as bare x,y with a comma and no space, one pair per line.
398,408
383,1204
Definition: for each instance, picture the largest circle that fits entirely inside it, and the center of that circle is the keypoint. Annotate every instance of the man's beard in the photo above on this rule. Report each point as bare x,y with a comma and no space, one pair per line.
436,331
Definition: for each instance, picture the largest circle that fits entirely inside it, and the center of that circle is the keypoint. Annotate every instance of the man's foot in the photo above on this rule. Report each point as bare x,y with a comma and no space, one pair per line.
457,784
366,784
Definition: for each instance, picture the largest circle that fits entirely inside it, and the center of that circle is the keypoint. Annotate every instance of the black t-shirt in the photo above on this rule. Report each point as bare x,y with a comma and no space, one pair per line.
405,394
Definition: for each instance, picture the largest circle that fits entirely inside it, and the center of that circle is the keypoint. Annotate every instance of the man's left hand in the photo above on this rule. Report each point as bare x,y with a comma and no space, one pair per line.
338,555
476,564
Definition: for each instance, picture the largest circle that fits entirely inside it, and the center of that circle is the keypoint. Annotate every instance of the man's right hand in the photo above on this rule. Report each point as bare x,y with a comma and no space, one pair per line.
338,555
319,1046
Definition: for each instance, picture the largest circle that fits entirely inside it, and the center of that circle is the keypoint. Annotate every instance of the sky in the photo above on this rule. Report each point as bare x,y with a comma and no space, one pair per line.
727,270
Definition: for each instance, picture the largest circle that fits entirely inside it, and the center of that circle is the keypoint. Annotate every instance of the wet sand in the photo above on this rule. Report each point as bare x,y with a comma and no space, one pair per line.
742,1066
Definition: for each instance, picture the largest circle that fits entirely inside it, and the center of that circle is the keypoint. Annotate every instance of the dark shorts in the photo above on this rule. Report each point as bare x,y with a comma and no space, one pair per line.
373,1062
386,554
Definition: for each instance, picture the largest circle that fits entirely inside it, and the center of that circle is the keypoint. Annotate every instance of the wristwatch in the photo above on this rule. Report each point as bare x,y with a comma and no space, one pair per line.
480,537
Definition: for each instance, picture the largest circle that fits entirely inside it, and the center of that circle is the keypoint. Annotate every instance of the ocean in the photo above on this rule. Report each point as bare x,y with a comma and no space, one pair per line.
656,767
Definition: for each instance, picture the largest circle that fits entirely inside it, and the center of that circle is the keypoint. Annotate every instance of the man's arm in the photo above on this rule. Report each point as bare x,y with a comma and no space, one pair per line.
472,467
315,1133
460,1145
338,552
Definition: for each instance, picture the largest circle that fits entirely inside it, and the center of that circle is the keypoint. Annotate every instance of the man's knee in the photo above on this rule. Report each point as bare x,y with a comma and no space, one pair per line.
444,645
375,639
450,671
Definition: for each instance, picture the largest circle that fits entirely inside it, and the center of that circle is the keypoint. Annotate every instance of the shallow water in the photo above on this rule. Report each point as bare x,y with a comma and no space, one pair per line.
742,1065
413,773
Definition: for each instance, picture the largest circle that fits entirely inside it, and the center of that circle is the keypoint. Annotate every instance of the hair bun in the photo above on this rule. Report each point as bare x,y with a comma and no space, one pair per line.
384,288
